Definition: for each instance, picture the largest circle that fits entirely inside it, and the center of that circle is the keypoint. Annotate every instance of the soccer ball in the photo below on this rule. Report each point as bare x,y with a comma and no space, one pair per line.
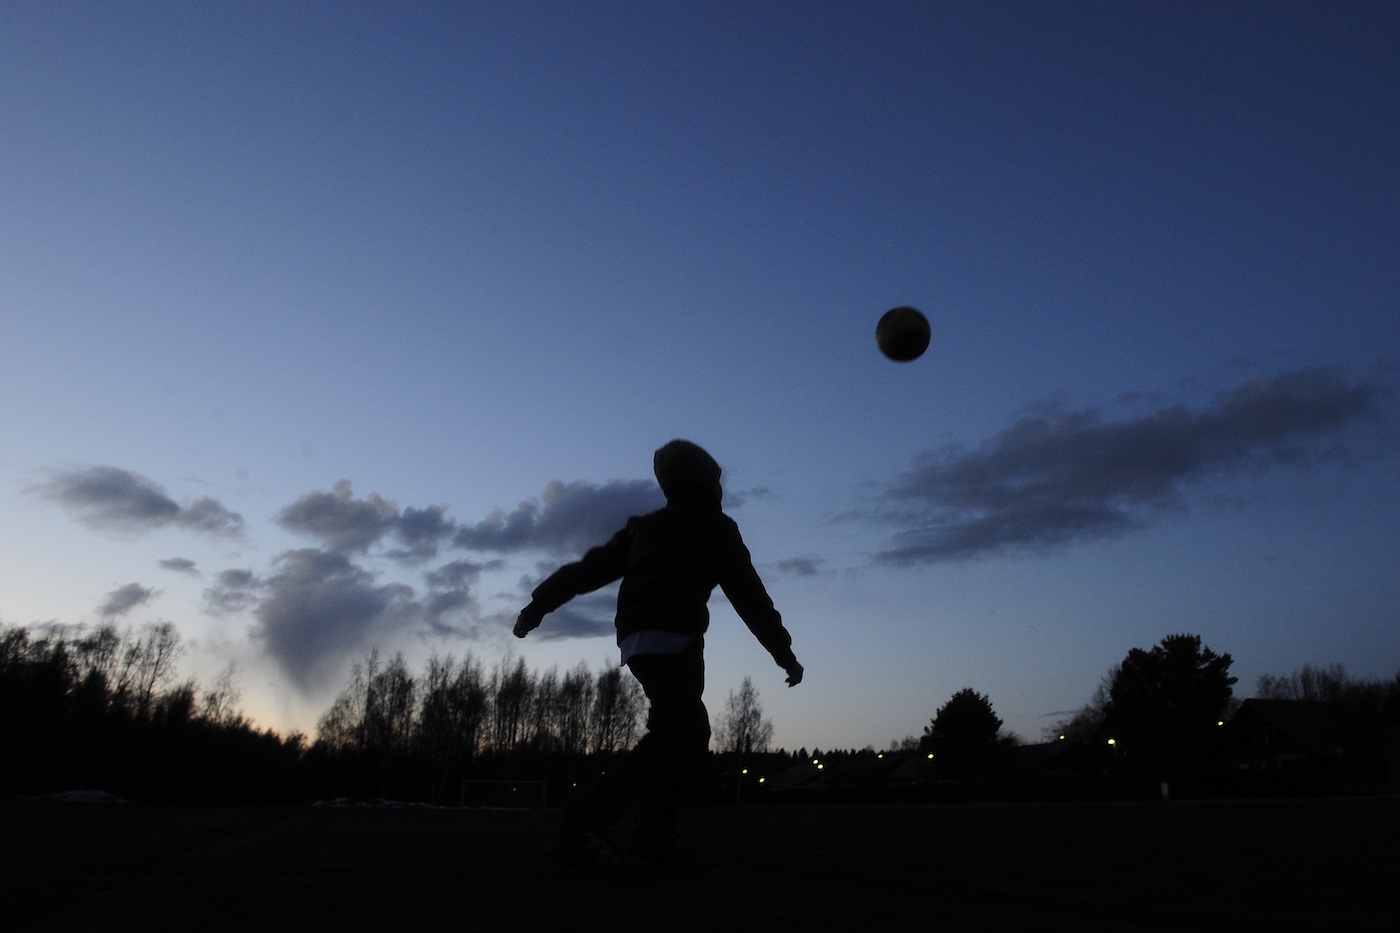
902,334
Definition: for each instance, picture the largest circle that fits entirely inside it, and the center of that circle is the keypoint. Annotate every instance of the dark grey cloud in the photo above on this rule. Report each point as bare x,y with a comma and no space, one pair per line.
124,599
343,523
421,531
180,565
567,518
1057,476
339,520
111,499
318,607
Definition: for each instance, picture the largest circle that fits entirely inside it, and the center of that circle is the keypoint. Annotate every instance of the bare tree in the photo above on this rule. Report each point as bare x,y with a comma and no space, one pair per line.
390,708
1084,725
219,704
575,702
436,737
338,729
470,702
512,686
543,732
100,654
151,662
449,717
742,727
1307,683
617,708
342,727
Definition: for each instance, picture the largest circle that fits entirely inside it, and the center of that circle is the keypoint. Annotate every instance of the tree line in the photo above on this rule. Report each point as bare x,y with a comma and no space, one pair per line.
390,733
107,709
1160,717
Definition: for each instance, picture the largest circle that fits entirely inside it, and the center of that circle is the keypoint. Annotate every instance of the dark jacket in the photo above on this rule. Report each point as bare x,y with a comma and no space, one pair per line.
669,562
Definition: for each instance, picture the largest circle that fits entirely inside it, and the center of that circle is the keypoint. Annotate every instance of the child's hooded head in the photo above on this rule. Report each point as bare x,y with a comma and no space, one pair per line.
685,471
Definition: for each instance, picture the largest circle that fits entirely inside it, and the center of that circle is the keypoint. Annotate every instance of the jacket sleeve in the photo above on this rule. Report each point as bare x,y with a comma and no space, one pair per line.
747,594
597,568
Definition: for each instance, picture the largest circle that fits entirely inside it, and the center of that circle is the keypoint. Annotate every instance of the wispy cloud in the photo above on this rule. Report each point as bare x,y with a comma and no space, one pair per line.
111,499
567,517
1057,476
450,605
180,565
124,599
231,592
799,566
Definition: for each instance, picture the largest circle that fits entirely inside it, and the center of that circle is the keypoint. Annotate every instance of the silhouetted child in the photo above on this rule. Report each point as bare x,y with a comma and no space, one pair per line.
669,561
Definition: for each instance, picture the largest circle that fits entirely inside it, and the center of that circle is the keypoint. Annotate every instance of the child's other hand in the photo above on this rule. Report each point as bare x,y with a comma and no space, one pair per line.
794,674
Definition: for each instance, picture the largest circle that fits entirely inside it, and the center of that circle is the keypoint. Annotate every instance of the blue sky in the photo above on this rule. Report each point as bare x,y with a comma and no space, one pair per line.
335,326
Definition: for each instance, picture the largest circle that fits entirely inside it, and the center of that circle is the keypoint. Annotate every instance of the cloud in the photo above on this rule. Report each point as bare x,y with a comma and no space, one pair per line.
180,565
587,616
343,523
1056,476
318,607
449,600
421,531
207,515
111,499
567,518
232,591
124,599
800,566
738,498
339,520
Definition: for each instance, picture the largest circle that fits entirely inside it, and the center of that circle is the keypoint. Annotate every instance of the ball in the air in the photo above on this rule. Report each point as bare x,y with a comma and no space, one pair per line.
902,334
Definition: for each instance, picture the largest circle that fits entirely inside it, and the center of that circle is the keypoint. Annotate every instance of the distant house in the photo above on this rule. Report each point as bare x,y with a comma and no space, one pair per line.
864,776
1287,747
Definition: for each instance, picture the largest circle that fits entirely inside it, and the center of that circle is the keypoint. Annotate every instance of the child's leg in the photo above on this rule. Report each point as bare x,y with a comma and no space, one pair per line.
678,734
659,769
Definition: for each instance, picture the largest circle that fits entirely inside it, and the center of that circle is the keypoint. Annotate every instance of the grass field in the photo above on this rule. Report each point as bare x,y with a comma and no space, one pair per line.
1177,865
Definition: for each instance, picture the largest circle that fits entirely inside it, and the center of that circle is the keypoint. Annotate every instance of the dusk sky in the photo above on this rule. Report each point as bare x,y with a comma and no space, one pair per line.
331,326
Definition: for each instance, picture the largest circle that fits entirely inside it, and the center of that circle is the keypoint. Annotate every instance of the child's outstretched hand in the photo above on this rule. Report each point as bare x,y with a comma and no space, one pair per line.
794,674
528,620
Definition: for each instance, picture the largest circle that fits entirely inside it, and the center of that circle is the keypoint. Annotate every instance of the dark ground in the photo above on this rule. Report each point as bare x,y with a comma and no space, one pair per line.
1177,865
